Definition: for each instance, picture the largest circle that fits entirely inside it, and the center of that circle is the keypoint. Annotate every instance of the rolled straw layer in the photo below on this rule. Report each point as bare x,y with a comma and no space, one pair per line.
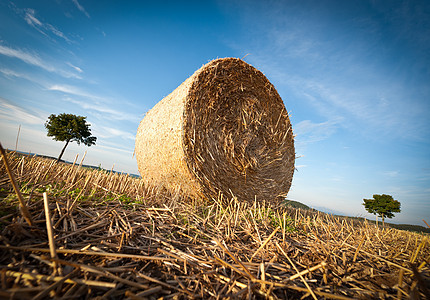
224,130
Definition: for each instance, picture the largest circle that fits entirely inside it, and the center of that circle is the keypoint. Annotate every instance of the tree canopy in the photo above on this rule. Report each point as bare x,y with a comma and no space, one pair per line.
382,205
69,128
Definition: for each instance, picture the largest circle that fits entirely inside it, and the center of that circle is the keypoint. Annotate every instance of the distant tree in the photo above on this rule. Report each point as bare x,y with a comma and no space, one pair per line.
382,205
69,128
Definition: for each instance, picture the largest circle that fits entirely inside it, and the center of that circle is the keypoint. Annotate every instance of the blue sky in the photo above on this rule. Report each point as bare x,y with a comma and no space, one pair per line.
353,74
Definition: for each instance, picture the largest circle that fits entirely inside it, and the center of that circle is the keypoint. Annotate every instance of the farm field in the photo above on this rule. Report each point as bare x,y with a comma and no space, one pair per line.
111,236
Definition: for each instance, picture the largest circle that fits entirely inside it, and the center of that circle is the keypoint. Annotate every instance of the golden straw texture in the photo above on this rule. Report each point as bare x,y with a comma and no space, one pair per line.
225,130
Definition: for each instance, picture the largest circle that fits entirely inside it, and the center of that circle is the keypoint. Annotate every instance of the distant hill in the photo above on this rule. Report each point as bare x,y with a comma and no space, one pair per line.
296,204
408,227
416,228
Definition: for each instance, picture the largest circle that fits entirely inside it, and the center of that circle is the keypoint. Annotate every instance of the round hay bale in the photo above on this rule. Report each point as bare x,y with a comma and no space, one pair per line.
224,130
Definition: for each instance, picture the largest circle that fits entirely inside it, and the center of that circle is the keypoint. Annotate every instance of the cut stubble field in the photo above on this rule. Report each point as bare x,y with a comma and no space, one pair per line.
104,235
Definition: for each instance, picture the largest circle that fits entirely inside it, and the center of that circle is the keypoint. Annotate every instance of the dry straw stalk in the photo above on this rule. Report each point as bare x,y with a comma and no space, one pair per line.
141,240
224,130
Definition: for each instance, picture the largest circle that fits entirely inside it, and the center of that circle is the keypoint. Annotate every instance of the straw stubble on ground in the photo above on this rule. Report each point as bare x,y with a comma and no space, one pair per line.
114,237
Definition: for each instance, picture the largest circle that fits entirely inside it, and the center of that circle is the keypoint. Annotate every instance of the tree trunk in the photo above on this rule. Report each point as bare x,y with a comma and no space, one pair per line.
62,151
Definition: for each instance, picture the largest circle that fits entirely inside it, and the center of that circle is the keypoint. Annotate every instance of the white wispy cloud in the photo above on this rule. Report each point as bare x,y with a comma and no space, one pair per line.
12,73
115,149
58,33
391,173
300,166
32,20
378,109
34,59
13,112
338,77
375,107
104,110
29,58
68,89
342,99
81,8
97,103
311,132
75,67
8,73
108,132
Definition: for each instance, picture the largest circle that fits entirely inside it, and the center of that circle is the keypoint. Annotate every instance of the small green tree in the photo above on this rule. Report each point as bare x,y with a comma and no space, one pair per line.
69,128
382,205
